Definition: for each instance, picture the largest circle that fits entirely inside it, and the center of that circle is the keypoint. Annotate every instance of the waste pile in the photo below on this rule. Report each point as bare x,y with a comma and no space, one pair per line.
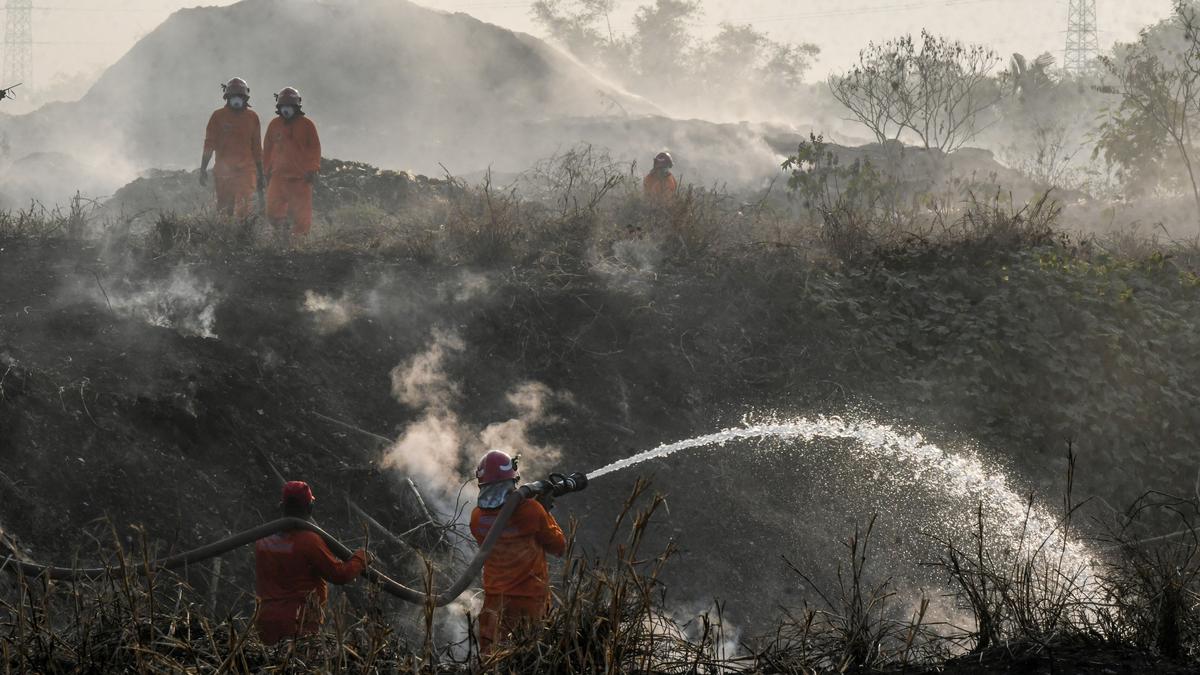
341,184
346,183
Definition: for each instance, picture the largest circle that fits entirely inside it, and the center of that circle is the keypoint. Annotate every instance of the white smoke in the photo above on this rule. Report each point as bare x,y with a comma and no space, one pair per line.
632,266
439,450
184,303
330,314
697,622
453,623
468,286
421,381
530,399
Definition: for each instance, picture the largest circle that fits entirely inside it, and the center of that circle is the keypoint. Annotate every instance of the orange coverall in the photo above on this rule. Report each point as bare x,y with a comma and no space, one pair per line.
516,580
291,152
659,186
291,569
236,137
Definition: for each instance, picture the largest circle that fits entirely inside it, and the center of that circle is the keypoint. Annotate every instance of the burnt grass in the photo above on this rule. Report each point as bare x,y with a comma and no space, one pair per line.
1027,348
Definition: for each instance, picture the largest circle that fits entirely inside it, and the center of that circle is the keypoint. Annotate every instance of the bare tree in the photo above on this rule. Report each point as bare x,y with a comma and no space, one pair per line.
933,88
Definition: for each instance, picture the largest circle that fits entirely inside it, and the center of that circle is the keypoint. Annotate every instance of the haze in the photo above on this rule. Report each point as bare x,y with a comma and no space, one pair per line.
78,38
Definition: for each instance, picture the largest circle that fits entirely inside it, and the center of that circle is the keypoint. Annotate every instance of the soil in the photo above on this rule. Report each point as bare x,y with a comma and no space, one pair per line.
122,408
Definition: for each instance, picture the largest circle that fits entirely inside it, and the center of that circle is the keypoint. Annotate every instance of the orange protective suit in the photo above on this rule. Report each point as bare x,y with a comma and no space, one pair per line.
291,154
659,185
236,138
291,571
516,579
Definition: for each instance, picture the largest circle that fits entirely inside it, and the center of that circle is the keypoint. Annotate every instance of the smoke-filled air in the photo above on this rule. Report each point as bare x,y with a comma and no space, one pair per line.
600,336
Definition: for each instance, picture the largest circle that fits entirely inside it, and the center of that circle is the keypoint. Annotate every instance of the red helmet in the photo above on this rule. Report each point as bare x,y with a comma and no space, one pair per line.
297,492
496,466
236,87
664,159
287,96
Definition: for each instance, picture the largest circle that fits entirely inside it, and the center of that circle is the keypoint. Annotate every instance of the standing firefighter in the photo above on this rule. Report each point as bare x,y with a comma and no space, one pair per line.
660,184
292,153
516,580
291,571
235,135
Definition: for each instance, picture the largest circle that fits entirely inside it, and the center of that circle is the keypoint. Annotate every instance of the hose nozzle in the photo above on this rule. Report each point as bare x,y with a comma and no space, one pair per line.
556,484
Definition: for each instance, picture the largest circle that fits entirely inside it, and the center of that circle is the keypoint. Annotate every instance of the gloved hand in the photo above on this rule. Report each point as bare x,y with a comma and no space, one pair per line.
362,555
203,176
546,499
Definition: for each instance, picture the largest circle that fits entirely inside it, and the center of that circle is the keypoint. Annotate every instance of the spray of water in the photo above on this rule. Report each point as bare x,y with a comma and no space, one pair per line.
956,475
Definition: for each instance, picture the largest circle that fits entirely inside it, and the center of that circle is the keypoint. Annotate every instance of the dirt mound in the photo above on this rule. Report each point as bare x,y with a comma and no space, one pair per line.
385,80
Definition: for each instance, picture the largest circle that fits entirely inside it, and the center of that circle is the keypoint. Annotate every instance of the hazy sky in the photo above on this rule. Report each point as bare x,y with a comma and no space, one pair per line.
86,35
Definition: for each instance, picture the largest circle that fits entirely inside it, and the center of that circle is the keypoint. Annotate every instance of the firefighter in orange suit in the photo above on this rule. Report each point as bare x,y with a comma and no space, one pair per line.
234,135
292,157
516,579
291,571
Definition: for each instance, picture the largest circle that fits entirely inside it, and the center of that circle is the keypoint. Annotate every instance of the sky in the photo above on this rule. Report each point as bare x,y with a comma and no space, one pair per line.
81,37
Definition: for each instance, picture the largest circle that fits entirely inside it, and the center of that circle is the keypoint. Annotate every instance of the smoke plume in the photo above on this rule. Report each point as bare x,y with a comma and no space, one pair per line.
439,450
183,302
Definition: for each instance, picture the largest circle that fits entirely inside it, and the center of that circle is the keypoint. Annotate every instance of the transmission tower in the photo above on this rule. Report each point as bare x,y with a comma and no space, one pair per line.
18,43
1083,38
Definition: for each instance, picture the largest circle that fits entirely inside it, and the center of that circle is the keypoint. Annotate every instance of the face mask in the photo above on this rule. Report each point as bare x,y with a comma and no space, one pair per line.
236,102
287,111
492,496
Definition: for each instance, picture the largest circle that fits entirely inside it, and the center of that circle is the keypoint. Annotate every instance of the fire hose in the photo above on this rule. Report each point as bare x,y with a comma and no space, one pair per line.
556,485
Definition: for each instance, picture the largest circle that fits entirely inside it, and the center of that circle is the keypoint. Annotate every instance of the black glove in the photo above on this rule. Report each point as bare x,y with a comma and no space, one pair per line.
546,499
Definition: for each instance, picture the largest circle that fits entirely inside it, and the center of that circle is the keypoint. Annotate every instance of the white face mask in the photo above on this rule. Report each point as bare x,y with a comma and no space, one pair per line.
287,111
236,102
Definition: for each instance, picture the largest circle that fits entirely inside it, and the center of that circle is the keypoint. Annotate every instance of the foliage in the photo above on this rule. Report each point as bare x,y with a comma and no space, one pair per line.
933,88
849,198
1158,80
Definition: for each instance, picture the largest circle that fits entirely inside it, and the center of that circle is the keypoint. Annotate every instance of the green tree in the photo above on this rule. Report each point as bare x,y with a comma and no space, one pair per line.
662,41
1149,136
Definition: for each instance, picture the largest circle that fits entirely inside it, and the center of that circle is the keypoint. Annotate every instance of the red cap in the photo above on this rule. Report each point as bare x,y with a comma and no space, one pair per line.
297,492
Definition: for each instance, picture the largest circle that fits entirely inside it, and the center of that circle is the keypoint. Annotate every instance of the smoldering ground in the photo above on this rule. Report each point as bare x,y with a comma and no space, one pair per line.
579,333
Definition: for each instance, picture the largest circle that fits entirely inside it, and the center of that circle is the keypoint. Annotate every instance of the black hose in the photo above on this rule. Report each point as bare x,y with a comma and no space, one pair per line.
339,549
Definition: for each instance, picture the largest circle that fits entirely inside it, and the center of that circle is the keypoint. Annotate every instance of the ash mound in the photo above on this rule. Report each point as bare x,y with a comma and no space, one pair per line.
388,81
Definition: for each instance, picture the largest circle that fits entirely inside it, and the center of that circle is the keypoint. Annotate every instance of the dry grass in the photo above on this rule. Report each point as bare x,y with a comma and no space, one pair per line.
608,617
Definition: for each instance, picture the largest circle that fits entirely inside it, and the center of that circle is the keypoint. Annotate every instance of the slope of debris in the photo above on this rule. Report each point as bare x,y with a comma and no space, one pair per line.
343,184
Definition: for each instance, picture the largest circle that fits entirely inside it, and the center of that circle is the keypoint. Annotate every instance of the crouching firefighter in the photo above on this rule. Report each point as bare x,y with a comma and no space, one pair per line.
516,579
291,571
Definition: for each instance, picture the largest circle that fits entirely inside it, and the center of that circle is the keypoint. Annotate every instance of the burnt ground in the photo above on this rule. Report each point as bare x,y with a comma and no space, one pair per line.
105,417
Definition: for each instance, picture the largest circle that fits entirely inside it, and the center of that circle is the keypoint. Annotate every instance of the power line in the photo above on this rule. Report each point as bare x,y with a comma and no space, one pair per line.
857,11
